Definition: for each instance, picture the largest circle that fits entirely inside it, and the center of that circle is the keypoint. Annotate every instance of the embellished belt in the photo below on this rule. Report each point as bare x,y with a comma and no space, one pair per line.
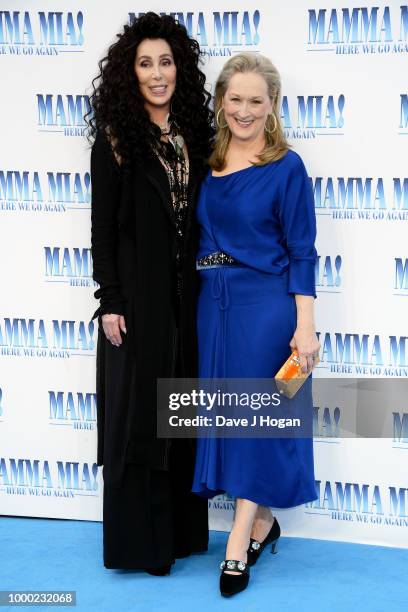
214,260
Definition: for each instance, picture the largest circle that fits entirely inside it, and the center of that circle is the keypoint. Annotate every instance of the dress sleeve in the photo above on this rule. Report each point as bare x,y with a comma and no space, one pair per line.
298,219
106,190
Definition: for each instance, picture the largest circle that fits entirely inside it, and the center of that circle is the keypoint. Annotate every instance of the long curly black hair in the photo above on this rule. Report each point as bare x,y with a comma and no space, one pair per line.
117,105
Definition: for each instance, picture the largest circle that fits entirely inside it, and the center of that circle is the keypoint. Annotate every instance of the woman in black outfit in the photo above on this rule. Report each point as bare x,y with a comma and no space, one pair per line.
151,126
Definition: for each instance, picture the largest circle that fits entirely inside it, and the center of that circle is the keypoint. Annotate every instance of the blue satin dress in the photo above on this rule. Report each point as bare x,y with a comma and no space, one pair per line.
263,216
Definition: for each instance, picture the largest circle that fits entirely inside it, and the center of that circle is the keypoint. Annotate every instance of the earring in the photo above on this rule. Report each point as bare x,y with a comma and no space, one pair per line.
218,120
275,124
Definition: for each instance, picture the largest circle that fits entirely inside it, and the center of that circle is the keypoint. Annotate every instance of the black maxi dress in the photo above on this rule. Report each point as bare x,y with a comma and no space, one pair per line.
145,267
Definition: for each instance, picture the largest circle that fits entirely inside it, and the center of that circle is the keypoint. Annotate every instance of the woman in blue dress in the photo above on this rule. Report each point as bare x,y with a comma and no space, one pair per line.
256,263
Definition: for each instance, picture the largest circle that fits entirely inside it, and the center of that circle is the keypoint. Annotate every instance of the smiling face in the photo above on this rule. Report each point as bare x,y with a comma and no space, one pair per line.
156,72
246,105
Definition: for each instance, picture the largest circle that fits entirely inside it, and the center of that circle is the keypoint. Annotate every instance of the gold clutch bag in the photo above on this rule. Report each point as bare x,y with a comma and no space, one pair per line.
290,377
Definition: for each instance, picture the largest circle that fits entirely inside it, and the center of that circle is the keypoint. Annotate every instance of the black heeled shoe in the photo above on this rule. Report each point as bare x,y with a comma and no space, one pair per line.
159,571
255,547
230,584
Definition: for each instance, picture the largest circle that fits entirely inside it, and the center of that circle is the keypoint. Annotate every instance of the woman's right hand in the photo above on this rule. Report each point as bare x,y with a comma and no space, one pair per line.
112,325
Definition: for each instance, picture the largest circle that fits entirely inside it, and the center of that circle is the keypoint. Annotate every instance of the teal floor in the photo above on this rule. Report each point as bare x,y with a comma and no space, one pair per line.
306,575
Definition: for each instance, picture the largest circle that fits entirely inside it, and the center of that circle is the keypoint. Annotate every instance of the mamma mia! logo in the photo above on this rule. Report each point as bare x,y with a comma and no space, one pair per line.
364,354
44,478
352,31
403,124
62,114
361,503
41,33
222,502
220,33
75,409
328,276
69,265
362,198
312,116
400,429
38,338
401,276
31,191
326,421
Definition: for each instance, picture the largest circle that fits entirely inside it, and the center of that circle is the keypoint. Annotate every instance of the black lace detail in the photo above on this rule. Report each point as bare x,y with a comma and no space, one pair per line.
175,162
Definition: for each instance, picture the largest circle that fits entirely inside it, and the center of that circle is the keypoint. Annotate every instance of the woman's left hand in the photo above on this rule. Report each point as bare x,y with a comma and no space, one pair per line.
307,345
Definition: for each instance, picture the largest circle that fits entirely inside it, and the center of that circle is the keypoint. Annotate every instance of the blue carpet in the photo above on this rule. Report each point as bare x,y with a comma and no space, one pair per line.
306,575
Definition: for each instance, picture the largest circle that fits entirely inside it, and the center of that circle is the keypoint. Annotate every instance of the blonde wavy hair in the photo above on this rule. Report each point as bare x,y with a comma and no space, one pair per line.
276,145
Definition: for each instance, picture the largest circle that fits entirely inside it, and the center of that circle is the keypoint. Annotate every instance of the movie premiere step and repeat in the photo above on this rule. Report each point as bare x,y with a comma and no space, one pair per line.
344,109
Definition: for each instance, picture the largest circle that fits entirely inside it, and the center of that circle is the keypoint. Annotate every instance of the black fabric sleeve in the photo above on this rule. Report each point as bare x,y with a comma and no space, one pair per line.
106,190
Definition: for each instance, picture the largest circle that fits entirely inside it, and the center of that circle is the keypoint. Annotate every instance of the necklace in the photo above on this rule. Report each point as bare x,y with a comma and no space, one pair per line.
169,129
176,165
165,127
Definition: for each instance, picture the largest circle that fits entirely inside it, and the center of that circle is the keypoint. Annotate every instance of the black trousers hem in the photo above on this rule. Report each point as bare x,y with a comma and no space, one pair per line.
153,518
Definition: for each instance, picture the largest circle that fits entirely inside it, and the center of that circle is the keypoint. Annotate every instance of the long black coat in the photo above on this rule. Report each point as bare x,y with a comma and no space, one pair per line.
134,250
